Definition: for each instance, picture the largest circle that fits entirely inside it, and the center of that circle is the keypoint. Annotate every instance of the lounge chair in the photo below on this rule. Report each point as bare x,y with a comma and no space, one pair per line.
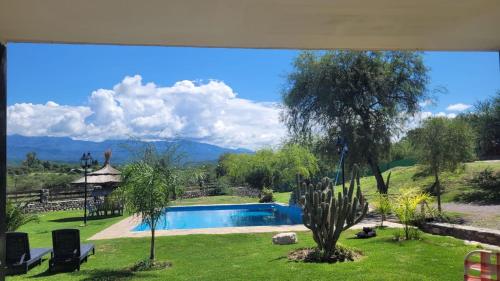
20,258
68,252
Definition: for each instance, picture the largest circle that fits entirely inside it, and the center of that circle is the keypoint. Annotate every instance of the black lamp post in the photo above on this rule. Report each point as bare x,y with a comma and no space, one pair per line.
85,161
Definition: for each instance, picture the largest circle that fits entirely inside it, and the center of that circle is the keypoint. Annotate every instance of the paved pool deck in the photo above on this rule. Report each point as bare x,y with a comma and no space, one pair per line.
124,229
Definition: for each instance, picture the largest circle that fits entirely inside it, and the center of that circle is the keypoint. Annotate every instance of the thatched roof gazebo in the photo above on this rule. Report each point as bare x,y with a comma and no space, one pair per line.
107,178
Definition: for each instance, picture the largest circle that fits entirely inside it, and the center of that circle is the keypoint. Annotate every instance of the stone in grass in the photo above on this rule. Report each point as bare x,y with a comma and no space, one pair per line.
285,238
367,232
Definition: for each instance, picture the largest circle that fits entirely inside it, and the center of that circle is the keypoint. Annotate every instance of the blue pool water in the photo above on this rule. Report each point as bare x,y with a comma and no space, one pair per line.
190,217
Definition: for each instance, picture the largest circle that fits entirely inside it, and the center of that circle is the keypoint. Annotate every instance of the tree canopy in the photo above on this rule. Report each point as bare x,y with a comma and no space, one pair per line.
442,144
363,97
485,120
268,168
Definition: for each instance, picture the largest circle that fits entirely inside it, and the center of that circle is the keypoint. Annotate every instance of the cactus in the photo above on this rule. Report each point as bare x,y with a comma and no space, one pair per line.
327,215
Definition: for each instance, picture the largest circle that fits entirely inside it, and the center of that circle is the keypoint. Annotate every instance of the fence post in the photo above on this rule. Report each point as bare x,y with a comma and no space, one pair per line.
44,196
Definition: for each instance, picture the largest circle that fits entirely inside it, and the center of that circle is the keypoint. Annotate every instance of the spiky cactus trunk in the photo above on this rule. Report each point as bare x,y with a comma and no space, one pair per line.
327,215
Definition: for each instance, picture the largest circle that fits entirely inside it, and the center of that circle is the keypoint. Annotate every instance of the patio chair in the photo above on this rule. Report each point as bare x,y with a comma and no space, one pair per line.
482,265
69,254
19,257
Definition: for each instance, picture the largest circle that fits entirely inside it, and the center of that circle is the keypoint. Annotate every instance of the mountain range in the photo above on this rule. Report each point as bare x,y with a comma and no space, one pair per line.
64,149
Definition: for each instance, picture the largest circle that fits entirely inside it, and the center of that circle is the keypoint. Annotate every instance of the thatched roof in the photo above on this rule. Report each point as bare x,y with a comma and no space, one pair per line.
106,175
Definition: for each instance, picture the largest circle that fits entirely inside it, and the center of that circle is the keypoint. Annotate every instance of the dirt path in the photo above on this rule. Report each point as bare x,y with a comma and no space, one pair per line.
487,216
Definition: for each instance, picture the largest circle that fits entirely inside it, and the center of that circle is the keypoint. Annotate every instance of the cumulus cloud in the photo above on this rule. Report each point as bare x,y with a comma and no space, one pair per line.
209,112
458,107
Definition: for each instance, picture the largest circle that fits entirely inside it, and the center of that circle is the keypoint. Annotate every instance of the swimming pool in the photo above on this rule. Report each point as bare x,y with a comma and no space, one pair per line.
214,216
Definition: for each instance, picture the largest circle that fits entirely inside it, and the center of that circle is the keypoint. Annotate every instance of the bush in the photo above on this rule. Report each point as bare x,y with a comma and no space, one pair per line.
223,187
405,207
16,217
487,180
383,207
486,188
266,195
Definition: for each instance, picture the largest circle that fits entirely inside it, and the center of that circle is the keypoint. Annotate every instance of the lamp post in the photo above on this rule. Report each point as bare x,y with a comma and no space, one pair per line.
85,162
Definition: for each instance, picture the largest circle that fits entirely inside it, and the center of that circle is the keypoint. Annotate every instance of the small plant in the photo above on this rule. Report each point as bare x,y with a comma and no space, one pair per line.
405,207
327,215
148,265
16,216
383,207
266,195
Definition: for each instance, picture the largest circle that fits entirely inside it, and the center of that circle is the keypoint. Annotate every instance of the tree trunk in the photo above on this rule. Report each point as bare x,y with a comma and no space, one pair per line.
152,250
438,190
381,186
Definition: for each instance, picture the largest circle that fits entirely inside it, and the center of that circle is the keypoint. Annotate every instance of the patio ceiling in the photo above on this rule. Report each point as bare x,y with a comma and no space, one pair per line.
295,24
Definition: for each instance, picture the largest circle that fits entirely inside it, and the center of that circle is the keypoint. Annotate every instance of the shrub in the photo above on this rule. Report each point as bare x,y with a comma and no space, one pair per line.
16,217
266,195
383,207
405,207
223,186
487,180
486,188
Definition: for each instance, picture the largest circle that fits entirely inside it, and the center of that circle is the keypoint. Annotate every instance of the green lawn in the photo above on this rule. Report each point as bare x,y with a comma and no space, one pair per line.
249,256
281,197
454,183
209,200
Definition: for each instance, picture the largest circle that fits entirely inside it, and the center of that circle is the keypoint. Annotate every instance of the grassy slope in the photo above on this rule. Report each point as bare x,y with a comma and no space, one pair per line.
249,256
453,183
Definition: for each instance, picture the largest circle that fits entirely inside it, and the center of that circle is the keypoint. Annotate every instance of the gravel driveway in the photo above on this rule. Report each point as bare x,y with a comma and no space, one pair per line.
487,216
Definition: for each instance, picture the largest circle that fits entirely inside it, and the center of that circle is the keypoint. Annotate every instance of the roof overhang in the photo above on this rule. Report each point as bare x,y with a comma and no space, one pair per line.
292,24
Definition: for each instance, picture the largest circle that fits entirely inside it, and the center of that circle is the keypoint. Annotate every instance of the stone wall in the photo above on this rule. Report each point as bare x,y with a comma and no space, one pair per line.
70,204
483,235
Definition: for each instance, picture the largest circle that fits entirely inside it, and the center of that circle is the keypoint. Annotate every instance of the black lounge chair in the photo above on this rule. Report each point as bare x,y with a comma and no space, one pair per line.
20,258
69,254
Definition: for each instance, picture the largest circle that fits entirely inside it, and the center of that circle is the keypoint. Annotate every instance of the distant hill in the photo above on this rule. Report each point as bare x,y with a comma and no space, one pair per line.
64,149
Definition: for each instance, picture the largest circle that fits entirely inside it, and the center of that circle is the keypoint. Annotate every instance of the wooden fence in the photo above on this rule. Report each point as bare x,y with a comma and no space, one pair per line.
45,195
25,196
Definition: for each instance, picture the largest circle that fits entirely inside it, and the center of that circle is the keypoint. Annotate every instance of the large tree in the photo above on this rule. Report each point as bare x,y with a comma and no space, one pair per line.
363,97
442,144
485,120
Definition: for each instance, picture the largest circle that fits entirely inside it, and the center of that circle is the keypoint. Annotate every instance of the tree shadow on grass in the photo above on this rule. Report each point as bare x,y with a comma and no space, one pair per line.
74,219
109,275
98,274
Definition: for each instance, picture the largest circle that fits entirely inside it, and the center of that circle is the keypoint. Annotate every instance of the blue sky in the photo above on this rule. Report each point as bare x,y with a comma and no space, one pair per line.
69,74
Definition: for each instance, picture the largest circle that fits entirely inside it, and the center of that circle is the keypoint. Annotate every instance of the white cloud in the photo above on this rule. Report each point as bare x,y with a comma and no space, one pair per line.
416,120
426,103
448,115
209,112
458,107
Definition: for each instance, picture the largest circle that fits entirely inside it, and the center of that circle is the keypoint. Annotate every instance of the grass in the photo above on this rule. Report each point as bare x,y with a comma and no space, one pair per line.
209,200
248,256
281,197
453,183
